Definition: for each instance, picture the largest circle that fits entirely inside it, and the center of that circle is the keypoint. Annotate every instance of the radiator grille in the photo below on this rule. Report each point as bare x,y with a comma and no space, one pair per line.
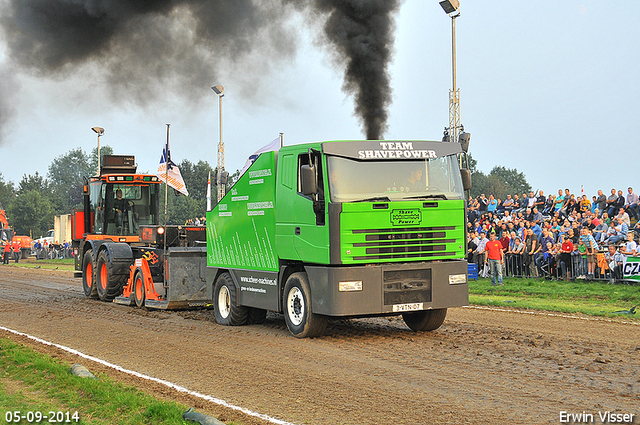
403,243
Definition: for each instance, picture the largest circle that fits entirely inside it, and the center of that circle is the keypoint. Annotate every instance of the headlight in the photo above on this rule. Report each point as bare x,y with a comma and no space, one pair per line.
355,285
160,230
457,279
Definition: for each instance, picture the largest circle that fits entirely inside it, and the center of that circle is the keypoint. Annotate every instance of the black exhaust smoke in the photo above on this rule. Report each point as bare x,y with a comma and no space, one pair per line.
361,33
145,49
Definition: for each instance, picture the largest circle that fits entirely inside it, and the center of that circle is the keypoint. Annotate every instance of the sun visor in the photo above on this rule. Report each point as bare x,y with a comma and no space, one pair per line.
376,150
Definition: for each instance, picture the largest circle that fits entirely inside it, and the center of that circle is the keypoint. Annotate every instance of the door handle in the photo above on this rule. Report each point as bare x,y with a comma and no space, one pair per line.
297,231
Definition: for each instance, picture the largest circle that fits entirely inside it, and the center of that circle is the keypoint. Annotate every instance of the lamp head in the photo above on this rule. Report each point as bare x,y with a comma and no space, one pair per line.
450,6
98,130
219,90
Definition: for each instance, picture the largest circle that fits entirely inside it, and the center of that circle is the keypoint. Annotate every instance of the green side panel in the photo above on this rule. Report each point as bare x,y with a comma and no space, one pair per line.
241,228
402,231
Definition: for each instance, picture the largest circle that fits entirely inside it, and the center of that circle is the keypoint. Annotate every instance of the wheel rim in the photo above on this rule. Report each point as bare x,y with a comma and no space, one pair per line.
88,275
224,302
295,306
139,291
103,276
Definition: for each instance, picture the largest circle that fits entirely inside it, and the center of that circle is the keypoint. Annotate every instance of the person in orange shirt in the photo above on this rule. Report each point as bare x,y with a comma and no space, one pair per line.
16,250
7,252
495,258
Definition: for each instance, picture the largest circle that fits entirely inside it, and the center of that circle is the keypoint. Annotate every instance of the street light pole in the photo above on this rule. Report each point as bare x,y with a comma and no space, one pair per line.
219,90
452,8
100,132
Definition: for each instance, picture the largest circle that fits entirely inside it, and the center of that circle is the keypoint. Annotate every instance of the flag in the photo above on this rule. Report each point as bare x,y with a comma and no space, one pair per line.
209,192
274,145
171,173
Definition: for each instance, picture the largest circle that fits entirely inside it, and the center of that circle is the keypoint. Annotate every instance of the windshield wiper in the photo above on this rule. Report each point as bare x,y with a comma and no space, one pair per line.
375,199
439,196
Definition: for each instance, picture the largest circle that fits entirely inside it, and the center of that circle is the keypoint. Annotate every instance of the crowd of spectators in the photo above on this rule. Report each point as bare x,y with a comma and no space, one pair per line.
556,236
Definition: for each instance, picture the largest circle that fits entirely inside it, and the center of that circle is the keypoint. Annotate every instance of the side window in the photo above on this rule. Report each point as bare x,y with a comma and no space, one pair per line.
286,171
316,161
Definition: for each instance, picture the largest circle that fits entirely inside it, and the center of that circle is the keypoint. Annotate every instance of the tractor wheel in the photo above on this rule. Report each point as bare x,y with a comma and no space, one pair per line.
426,320
301,321
139,293
88,276
225,303
108,284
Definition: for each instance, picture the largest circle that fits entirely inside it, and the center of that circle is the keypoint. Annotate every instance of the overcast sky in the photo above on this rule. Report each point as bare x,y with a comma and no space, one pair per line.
549,88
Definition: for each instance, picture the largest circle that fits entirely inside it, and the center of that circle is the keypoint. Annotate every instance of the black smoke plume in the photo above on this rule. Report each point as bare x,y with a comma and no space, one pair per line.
144,49
361,35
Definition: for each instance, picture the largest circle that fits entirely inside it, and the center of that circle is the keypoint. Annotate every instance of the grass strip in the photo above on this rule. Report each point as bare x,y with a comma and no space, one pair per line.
34,382
32,263
579,296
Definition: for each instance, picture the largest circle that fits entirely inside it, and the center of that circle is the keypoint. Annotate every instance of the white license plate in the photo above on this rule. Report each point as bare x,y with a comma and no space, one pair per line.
408,307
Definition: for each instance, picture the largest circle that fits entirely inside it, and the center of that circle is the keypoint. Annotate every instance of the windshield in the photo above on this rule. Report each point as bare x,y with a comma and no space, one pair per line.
351,180
121,207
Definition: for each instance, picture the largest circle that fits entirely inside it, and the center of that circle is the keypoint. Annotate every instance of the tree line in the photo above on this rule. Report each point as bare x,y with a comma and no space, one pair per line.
32,203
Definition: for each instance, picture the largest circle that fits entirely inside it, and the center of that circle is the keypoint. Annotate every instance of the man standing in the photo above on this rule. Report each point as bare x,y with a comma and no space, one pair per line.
632,203
6,252
495,258
601,201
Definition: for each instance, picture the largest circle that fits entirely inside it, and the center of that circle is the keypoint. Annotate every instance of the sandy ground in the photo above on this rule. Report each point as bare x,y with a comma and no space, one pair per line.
481,366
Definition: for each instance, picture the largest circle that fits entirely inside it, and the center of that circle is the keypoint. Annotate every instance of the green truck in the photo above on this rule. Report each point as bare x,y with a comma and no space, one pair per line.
331,229
342,229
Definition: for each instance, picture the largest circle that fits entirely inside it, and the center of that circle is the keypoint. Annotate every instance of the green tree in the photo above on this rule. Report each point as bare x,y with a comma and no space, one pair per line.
7,193
66,176
500,182
93,158
33,182
32,213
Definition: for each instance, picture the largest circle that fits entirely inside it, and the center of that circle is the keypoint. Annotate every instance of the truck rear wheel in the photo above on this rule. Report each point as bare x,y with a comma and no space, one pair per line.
109,285
88,276
301,321
138,294
425,320
225,303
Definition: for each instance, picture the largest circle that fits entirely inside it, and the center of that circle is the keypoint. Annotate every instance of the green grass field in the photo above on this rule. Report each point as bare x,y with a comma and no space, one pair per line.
580,296
33,382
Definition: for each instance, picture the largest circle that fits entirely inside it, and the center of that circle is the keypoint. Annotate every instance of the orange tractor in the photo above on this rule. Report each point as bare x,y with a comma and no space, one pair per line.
122,250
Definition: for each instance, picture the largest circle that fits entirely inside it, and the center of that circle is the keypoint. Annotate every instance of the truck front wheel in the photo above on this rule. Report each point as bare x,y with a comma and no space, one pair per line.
88,276
225,303
301,321
425,320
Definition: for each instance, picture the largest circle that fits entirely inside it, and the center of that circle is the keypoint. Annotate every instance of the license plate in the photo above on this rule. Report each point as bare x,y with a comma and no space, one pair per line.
408,307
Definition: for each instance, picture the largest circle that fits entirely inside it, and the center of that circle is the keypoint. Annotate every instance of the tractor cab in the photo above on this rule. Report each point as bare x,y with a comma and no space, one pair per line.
119,201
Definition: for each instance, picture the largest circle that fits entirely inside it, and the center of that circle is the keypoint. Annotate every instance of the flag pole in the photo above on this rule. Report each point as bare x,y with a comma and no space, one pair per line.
166,197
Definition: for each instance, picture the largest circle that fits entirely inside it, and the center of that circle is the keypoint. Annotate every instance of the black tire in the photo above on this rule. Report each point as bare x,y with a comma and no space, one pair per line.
89,275
138,293
300,319
425,320
108,284
257,316
225,303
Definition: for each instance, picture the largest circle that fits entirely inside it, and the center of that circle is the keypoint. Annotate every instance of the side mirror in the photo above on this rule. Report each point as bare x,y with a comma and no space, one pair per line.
464,139
465,174
308,180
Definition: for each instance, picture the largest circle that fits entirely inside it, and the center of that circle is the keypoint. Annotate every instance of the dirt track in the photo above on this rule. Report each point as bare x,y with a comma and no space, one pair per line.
481,366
